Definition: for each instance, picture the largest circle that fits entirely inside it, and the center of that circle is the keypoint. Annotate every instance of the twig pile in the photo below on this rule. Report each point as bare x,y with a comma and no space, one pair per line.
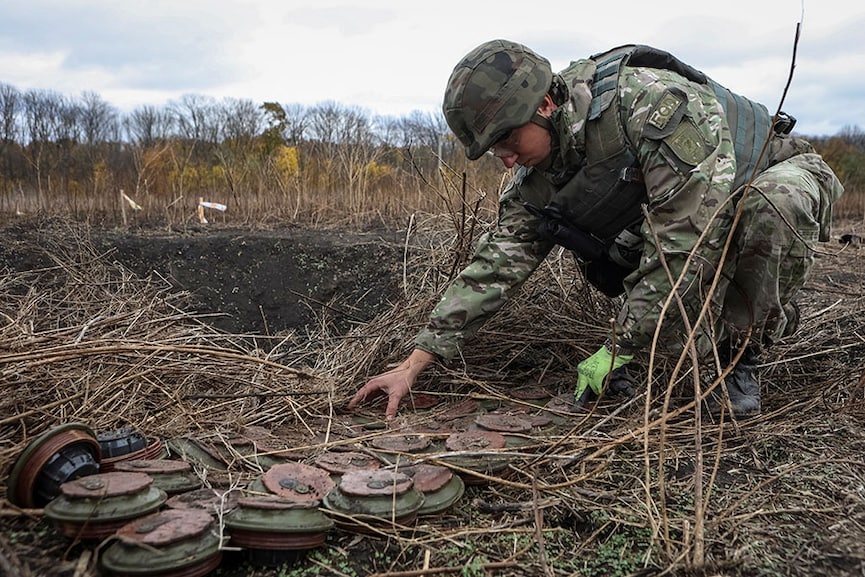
82,339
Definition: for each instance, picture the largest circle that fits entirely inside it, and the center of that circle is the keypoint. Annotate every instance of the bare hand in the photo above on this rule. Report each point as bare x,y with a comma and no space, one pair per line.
395,383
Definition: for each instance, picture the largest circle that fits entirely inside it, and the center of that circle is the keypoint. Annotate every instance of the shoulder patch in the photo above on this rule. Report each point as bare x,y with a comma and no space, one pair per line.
665,111
687,143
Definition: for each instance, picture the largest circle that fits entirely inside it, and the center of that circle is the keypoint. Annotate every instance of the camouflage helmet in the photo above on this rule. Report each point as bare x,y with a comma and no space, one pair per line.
495,88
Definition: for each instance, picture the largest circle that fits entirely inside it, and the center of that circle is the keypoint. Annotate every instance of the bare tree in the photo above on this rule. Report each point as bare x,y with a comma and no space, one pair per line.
68,128
196,118
98,119
42,113
296,124
146,125
10,106
349,146
424,137
197,127
148,133
423,129
854,136
241,122
100,129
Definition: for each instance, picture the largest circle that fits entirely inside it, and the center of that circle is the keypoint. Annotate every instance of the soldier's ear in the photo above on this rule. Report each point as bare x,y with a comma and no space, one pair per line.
547,106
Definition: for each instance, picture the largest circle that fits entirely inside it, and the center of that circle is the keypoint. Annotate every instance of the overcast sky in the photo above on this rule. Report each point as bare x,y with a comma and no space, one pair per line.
391,57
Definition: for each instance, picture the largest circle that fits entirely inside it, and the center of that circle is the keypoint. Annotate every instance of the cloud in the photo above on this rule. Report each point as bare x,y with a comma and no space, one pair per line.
392,57
159,46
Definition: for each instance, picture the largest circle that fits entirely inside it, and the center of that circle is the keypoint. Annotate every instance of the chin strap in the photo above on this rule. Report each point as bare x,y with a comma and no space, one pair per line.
542,121
547,125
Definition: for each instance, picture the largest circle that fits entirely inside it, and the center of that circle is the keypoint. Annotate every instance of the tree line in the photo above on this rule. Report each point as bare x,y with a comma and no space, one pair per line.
264,163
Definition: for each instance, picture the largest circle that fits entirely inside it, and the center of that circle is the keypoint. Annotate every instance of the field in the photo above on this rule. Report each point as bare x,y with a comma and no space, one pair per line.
213,332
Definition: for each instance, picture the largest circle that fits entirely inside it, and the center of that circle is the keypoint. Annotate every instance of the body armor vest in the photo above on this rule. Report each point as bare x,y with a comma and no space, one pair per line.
606,195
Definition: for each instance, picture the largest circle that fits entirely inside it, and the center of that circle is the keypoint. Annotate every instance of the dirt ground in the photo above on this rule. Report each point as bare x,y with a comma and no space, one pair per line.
616,490
255,282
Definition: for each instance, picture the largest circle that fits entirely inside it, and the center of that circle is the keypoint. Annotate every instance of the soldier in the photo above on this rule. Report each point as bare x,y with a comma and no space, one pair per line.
643,167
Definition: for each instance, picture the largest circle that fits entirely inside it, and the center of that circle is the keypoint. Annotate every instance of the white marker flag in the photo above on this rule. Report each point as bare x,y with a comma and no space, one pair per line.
213,205
132,203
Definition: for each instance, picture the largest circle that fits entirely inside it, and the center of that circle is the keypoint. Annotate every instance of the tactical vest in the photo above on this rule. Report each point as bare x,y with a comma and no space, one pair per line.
605,197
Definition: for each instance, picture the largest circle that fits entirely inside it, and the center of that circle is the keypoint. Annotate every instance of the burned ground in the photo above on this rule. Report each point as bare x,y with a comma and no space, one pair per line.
256,282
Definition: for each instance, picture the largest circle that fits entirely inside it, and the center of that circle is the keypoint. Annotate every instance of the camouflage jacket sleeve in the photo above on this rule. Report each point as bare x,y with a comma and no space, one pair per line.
684,147
503,260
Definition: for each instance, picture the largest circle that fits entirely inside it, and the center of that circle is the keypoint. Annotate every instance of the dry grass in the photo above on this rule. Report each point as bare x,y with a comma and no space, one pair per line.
610,492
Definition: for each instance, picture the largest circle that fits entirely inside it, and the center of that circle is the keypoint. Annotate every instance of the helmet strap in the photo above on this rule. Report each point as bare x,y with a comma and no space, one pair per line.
542,121
547,124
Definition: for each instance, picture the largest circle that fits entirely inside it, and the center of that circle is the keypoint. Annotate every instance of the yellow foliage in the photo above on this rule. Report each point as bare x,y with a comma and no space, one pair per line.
101,174
286,161
198,178
218,174
375,170
74,188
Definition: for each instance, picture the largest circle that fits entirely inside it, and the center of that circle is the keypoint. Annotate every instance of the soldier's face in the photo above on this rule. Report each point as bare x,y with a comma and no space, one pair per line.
527,145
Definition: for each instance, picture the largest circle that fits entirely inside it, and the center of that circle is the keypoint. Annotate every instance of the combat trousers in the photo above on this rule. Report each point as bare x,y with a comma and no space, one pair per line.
784,214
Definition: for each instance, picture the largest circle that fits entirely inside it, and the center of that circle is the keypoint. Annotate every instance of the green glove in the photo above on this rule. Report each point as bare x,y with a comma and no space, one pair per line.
593,371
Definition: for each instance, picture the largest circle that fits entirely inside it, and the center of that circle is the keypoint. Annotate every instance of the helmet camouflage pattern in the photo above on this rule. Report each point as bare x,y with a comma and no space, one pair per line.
495,88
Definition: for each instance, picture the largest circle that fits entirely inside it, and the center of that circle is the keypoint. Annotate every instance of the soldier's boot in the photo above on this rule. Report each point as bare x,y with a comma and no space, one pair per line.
743,387
791,310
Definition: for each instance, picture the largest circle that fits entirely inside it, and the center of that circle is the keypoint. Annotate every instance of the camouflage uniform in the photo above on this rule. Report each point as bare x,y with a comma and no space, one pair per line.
689,183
